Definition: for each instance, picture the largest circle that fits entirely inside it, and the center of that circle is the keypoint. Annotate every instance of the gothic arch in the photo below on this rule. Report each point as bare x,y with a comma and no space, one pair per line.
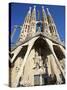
40,42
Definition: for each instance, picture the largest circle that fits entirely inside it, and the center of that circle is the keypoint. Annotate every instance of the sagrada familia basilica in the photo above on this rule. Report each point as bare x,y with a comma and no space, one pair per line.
39,55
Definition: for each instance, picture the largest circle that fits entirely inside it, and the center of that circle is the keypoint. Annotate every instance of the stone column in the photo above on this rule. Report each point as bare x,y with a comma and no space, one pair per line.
31,42
49,65
56,60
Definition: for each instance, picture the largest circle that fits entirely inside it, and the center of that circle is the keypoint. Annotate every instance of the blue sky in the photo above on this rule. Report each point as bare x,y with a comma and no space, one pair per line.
19,11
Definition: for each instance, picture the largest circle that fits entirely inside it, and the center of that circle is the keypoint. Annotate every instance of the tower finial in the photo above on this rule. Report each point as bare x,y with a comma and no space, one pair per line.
42,7
43,12
34,6
29,9
48,12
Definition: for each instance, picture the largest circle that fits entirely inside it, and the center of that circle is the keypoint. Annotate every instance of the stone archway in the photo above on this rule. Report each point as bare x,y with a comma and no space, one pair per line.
43,53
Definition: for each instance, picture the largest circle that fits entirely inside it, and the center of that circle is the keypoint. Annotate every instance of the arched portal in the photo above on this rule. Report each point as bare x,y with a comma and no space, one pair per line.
42,63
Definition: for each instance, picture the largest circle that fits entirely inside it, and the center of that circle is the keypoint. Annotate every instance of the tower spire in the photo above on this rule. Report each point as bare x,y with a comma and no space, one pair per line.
52,27
50,17
44,13
33,22
26,26
45,27
29,10
34,13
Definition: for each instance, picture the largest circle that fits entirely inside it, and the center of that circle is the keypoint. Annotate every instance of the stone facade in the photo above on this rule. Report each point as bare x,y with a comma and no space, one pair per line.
39,57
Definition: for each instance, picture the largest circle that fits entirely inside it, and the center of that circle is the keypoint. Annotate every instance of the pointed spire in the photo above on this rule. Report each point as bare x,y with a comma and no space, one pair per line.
43,9
52,25
34,12
25,27
29,10
49,15
44,13
34,7
33,21
44,21
48,11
